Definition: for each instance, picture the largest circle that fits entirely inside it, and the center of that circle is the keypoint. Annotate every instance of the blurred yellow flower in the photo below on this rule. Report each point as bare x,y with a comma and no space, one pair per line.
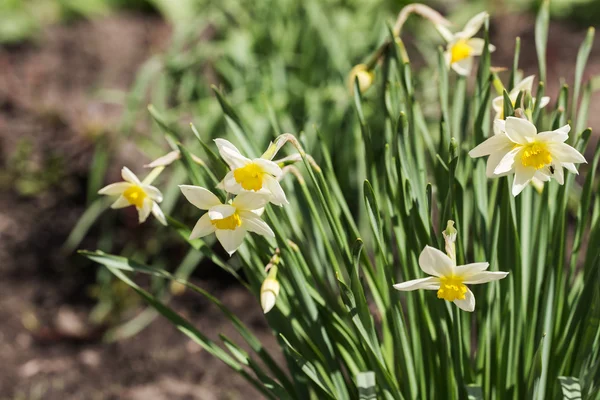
524,85
365,76
462,46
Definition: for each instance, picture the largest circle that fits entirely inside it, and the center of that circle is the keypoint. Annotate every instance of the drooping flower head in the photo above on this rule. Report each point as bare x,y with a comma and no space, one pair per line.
132,192
364,75
462,46
229,222
256,175
525,85
518,148
450,280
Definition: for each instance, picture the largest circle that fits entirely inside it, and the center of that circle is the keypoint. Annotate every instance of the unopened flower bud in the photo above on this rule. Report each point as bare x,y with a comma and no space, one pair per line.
450,239
364,75
268,294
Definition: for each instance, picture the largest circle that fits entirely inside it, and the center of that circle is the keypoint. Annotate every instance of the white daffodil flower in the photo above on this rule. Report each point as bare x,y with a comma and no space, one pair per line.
133,192
229,222
462,46
449,279
256,175
521,150
525,85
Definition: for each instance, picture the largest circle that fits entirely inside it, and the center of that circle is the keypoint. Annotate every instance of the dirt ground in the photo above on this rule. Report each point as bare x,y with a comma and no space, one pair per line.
49,102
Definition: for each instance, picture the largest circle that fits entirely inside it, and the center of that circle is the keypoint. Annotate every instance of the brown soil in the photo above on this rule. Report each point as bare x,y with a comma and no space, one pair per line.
50,109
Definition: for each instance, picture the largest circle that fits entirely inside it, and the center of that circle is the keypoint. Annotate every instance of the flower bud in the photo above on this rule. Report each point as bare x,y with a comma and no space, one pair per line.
364,75
268,294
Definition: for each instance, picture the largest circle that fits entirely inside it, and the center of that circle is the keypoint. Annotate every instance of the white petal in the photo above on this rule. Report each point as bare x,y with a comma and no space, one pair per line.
464,66
268,166
500,127
145,210
115,188
493,161
526,85
274,187
153,193
202,228
523,176
468,304
229,184
429,283
231,154
544,101
434,262
491,145
221,211
165,160
564,153
158,214
445,33
120,203
559,175
476,45
474,25
519,130
250,201
484,277
129,176
223,143
498,107
507,163
570,167
467,270
556,136
199,196
253,223
231,240
542,175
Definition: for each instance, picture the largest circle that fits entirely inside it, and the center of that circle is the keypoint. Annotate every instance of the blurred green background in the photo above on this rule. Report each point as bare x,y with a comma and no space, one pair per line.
21,19
77,76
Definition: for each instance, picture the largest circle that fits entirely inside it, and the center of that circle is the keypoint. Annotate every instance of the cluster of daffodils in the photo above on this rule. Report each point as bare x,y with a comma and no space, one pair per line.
250,185
254,182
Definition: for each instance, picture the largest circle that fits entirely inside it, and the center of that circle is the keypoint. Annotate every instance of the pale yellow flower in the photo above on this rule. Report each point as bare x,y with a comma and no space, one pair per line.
247,175
462,46
229,222
518,148
450,280
133,192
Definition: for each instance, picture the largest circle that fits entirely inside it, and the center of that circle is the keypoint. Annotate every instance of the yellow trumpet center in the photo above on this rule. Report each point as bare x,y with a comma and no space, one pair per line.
536,155
135,195
250,176
231,222
452,288
460,51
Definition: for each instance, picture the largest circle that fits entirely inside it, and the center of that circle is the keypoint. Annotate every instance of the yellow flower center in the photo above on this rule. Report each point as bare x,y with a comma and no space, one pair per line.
460,51
250,176
231,222
452,288
536,155
135,195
